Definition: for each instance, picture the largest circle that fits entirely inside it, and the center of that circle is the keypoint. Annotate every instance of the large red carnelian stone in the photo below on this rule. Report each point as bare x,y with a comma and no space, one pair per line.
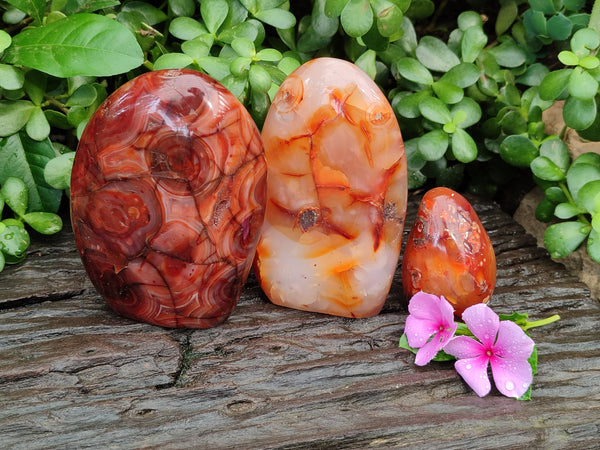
448,252
167,199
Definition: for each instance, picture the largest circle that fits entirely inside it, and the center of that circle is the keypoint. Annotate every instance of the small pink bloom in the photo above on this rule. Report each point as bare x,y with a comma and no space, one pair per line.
429,326
502,344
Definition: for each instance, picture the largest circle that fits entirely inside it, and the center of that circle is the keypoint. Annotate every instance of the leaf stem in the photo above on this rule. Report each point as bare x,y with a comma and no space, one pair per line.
541,322
571,200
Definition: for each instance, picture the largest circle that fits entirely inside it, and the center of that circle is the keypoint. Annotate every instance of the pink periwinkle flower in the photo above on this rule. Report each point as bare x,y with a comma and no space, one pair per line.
502,344
429,326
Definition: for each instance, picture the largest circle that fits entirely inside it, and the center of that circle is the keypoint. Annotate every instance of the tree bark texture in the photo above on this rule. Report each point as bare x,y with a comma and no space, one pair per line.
73,374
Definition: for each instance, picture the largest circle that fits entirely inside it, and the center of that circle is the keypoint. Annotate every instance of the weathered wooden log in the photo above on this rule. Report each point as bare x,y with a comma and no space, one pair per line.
74,374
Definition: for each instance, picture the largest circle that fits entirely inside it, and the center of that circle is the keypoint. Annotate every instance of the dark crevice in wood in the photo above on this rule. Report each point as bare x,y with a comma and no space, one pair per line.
35,299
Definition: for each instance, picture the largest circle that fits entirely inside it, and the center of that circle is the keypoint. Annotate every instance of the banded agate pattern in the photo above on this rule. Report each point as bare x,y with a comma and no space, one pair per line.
167,199
336,196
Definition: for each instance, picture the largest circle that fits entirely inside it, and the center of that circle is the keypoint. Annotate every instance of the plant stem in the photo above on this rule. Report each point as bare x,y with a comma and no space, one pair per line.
571,200
541,322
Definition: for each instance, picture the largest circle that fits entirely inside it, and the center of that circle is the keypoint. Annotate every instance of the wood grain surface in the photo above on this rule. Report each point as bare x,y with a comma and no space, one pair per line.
75,375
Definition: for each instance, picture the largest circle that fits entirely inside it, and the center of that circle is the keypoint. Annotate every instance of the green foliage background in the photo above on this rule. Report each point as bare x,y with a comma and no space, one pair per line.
468,81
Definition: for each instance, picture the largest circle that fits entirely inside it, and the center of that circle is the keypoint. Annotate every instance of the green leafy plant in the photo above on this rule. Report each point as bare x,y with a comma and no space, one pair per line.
469,87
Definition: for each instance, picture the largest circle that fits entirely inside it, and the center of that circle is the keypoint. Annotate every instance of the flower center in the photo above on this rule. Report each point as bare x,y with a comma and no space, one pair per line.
489,353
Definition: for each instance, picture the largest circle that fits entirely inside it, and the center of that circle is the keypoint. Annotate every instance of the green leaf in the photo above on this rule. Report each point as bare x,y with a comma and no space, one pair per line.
34,8
513,122
5,40
243,47
14,240
462,75
288,64
414,71
434,54
151,15
186,28
555,194
14,193
433,145
593,245
82,44
44,222
269,54
214,66
534,75
589,62
408,106
333,8
568,58
259,78
448,92
80,6
469,19
587,158
509,54
545,6
518,150
11,78
464,148
579,175
357,17
579,114
37,127
440,356
324,24
507,15
554,84
173,61
473,41
471,109
184,8
544,212
557,151
84,95
389,18
585,40
582,85
566,210
435,110
559,27
277,18
213,13
25,158
2,259
57,172
561,239
367,63
14,115
589,196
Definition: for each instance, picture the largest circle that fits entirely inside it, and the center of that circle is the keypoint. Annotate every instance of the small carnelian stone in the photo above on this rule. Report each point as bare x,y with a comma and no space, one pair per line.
448,252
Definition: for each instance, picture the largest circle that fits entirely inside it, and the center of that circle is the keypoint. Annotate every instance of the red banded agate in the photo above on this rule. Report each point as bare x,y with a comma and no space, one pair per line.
167,199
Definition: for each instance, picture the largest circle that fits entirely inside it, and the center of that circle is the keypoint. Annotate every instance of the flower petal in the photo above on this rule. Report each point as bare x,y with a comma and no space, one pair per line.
512,342
483,323
512,378
418,331
464,347
474,372
430,307
428,351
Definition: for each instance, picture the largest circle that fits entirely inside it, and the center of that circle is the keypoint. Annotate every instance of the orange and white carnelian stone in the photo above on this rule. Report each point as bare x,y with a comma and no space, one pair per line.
336,195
